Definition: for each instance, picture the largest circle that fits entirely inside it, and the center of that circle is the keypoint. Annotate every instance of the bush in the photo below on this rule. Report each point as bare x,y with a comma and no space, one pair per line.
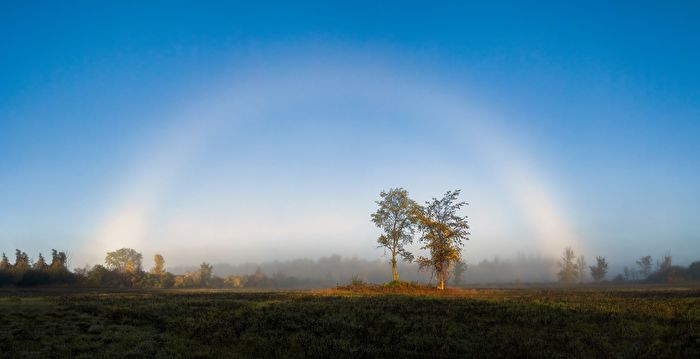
356,281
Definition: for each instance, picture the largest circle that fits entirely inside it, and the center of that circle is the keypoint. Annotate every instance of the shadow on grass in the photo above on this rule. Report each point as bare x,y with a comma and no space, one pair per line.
305,324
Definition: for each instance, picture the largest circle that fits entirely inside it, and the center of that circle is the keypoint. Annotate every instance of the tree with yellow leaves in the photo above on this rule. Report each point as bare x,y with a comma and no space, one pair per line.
125,260
442,233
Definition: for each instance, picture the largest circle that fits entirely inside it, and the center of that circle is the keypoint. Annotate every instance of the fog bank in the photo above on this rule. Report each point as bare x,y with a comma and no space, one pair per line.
335,269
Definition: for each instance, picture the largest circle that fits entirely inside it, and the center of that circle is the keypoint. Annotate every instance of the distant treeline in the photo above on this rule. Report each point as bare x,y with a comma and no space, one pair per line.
574,269
123,269
25,272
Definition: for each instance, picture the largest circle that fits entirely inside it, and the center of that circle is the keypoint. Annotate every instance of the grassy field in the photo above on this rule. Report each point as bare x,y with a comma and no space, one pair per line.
370,322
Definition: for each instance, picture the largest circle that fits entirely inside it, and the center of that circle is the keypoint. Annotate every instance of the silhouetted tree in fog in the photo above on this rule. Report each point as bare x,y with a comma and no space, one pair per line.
644,264
396,216
158,266
568,270
205,274
581,267
667,272
442,233
694,270
627,273
664,264
459,269
599,270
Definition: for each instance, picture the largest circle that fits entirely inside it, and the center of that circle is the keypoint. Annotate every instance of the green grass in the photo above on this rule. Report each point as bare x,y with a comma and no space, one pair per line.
353,322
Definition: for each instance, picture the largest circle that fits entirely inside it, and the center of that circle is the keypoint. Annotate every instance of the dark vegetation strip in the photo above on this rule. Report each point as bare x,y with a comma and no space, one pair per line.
482,323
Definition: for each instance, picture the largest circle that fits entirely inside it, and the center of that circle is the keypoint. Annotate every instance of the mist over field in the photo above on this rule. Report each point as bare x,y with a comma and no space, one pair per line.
335,269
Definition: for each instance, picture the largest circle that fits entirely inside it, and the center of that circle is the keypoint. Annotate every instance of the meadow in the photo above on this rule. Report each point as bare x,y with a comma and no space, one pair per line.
363,321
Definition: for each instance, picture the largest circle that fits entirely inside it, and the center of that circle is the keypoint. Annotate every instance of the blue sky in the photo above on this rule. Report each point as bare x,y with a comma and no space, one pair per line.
231,132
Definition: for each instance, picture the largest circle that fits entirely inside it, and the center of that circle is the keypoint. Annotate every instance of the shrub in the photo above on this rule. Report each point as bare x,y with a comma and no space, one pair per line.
356,281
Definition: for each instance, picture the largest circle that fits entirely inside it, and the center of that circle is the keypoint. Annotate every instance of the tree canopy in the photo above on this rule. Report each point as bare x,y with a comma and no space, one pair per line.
397,217
159,265
442,234
124,260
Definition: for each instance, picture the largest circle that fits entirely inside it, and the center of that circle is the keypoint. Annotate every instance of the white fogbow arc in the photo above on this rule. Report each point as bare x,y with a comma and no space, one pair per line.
129,216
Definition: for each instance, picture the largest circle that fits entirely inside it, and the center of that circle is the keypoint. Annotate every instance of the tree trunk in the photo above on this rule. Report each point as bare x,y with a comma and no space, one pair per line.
394,272
441,281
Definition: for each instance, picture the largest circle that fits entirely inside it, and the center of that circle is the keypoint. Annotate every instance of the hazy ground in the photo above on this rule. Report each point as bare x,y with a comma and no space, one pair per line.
358,322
